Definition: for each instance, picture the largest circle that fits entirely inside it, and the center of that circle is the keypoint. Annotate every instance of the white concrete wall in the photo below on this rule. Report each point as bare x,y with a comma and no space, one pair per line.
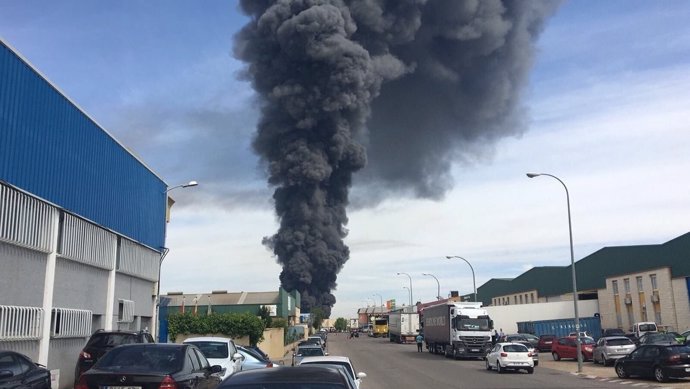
507,316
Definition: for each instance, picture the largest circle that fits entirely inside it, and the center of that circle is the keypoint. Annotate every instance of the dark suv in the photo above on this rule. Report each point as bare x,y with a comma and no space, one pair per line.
103,341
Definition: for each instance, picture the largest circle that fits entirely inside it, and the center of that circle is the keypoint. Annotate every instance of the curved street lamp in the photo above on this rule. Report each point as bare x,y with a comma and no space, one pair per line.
572,265
409,290
410,277
474,282
187,185
438,285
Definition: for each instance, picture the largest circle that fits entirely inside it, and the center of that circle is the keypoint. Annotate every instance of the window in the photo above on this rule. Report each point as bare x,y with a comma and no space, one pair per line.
639,283
652,279
626,284
614,285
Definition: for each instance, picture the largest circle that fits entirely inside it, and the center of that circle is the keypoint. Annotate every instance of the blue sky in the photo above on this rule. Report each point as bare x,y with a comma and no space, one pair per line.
607,99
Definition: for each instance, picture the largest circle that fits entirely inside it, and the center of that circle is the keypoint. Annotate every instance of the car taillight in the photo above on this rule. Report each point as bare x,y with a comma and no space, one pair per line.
503,355
269,364
168,383
81,384
530,354
674,359
84,355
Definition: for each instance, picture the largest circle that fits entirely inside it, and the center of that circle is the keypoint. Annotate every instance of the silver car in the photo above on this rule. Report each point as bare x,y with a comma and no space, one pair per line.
610,348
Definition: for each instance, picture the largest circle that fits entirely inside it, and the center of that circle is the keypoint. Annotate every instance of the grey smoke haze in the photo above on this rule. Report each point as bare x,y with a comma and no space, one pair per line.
417,83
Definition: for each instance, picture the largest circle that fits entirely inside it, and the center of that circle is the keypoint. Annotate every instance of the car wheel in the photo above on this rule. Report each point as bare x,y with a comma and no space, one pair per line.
530,370
620,372
605,361
660,375
499,369
488,366
555,356
536,363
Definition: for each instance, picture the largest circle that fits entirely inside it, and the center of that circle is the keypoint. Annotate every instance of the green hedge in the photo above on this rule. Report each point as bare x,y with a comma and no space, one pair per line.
234,325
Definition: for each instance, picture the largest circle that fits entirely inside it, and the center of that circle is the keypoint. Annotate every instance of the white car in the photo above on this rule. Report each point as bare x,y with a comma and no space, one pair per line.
510,356
318,339
219,351
336,360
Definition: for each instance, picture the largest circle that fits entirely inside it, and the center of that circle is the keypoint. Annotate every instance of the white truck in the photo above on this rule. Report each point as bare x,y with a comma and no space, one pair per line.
457,329
403,325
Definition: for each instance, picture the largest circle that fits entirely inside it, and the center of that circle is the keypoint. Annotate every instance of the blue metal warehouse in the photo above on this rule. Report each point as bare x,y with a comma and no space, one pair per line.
82,225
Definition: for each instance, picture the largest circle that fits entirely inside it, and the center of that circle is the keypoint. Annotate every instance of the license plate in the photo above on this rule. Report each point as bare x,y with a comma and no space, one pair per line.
120,387
474,350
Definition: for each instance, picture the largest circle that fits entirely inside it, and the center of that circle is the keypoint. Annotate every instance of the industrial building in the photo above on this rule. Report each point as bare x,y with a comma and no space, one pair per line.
82,224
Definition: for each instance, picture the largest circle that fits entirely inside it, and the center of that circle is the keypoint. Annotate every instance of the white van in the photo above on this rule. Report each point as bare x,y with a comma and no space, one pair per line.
644,327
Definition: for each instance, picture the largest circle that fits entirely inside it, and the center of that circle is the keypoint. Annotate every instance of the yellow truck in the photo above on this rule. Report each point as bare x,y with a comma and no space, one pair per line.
379,327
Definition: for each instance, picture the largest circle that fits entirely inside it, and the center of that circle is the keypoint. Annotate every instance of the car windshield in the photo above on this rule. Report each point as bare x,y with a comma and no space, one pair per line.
586,340
647,327
111,340
619,342
310,352
473,324
139,358
515,348
218,350
329,363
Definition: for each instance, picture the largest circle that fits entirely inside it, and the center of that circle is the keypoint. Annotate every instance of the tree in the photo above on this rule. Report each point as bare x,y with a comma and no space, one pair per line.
340,324
317,317
265,315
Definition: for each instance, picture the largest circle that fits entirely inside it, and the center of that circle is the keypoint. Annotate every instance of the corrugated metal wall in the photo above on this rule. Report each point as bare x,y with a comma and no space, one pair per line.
135,289
26,347
80,286
21,267
50,148
63,355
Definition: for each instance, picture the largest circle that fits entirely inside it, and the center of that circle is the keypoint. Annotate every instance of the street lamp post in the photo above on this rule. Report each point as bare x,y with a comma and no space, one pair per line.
410,293
160,262
572,266
474,282
410,277
438,285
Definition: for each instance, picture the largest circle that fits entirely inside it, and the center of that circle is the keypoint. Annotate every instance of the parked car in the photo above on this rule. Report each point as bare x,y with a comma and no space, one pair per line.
660,362
251,360
659,338
533,351
545,342
308,350
336,360
566,347
532,339
318,339
583,334
610,348
219,351
257,350
509,356
17,371
606,332
103,341
159,365
303,377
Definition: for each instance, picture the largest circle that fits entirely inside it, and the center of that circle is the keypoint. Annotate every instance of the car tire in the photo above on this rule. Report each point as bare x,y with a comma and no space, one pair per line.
499,369
660,375
555,356
536,363
620,372
530,370
488,366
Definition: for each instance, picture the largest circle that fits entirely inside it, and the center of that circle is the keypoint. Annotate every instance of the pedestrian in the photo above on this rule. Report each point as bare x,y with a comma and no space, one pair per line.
419,339
494,337
500,335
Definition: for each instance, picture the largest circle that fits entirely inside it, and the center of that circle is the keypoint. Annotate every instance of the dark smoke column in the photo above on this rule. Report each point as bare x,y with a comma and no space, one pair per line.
315,86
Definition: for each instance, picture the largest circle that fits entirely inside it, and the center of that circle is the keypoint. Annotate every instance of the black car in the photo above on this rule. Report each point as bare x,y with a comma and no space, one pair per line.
658,338
103,341
612,332
303,377
18,371
152,365
660,362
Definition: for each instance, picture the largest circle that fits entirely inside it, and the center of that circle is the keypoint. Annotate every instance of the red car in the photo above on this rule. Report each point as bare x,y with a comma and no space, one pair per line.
566,348
545,342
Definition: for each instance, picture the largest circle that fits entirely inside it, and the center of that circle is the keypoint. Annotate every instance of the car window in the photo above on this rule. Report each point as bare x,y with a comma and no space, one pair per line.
515,348
111,340
651,352
202,359
619,342
637,354
196,365
8,362
144,357
218,350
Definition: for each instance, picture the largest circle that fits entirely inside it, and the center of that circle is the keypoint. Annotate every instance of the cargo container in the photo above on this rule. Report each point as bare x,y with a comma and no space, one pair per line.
561,327
403,325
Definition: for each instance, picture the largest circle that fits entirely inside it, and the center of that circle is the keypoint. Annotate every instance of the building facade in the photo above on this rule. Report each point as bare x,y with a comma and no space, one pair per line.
82,224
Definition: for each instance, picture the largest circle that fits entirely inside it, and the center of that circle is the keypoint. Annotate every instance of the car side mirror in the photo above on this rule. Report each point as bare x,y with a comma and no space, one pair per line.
216,369
6,374
237,356
361,375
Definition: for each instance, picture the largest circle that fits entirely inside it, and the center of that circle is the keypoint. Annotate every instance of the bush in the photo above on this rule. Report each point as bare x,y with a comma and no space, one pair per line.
234,325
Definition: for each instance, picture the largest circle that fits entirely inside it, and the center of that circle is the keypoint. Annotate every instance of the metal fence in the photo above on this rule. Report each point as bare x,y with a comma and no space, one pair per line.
20,323
70,323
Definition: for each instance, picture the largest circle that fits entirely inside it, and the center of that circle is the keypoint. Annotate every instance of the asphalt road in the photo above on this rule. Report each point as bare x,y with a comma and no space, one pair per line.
395,366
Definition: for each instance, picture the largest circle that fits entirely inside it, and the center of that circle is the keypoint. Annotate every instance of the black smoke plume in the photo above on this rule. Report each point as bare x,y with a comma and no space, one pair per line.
418,82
